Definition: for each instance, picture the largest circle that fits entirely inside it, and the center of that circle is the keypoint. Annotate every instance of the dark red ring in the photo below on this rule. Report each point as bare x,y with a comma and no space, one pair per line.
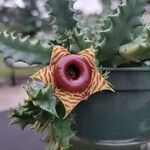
63,81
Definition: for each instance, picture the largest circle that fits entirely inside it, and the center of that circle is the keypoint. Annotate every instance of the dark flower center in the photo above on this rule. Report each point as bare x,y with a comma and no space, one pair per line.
73,71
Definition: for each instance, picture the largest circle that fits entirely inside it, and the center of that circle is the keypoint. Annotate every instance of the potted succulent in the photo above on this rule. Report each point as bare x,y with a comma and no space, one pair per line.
107,118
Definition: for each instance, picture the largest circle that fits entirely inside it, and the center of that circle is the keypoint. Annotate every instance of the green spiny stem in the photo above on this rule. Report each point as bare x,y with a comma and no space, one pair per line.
24,114
62,11
42,97
77,41
23,49
118,31
136,52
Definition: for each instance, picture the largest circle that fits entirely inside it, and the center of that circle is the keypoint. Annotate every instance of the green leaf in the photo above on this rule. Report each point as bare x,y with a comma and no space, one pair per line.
23,49
62,131
46,101
28,113
117,31
33,88
137,51
42,97
77,41
43,120
62,11
23,115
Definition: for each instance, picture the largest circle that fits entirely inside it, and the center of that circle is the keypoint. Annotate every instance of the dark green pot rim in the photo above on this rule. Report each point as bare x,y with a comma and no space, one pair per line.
129,142
142,69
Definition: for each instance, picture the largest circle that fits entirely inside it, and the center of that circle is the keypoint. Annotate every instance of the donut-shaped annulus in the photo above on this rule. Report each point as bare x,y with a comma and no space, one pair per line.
72,73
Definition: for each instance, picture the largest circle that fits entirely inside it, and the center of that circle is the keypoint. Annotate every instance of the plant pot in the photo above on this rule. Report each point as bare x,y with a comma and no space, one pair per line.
116,121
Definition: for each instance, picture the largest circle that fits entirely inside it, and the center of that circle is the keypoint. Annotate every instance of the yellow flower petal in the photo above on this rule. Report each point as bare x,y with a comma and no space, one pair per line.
70,100
44,75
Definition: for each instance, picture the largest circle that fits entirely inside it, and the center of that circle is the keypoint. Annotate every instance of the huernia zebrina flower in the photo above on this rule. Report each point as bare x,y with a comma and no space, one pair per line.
73,77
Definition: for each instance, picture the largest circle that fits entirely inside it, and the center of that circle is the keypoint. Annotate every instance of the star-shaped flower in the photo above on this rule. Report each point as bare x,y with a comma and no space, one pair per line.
73,77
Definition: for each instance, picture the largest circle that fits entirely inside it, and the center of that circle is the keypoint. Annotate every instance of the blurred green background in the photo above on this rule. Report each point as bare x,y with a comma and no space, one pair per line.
5,71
